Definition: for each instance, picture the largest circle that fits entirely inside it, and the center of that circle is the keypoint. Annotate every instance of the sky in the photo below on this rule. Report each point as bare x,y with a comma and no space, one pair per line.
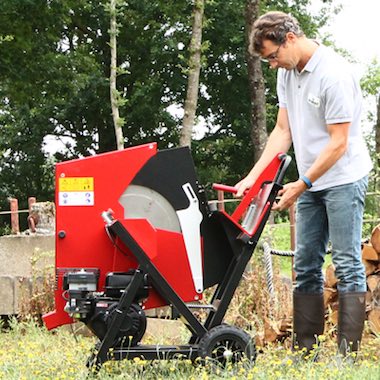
357,29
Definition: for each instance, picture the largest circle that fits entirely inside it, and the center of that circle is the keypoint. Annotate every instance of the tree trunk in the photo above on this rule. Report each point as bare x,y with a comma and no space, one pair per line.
194,71
114,94
259,133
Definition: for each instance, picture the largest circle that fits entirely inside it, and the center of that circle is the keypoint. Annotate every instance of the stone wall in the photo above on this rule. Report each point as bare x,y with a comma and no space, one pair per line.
22,259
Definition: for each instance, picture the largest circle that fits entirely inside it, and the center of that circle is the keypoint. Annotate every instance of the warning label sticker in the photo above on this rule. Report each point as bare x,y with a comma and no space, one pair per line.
76,191
76,184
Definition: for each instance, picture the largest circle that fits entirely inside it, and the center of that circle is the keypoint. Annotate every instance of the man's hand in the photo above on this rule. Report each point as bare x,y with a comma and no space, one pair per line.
245,184
289,194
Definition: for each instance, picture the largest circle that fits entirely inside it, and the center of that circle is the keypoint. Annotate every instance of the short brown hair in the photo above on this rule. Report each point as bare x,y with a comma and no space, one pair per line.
273,26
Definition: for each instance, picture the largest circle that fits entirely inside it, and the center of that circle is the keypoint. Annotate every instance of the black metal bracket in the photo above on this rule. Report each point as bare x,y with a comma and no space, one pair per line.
226,289
220,300
102,354
158,281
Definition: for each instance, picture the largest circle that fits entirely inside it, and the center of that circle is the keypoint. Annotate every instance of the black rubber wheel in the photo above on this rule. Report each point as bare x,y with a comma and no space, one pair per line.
227,344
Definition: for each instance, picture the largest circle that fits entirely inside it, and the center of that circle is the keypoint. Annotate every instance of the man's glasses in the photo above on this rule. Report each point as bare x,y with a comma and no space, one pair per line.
271,57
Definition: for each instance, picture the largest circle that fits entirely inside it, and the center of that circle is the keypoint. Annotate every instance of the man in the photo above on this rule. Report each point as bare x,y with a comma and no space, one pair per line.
319,112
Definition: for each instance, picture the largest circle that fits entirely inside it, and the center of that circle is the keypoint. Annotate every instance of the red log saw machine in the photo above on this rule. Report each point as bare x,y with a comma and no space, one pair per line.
161,244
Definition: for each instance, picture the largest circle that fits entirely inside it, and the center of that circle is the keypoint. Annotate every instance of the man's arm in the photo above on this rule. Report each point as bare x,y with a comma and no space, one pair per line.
332,152
279,140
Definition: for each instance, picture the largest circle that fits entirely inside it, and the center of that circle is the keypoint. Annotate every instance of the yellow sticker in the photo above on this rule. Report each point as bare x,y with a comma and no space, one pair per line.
76,184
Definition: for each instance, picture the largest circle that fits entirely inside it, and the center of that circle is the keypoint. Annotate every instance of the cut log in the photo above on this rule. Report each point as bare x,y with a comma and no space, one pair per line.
375,238
333,317
330,278
333,312
285,325
368,298
259,340
370,267
374,320
329,295
373,282
272,331
369,253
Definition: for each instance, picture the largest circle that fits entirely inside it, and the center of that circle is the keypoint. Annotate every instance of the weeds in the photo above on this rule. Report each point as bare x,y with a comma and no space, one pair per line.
253,308
37,292
31,352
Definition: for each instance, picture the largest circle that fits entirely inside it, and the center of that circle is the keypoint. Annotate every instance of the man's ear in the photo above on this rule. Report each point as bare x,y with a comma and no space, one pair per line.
290,37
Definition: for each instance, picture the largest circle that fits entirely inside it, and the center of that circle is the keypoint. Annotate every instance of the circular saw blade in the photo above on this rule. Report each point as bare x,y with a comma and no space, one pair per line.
140,202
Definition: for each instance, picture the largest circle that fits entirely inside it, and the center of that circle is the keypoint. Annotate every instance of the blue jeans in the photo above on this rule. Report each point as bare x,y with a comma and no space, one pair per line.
334,214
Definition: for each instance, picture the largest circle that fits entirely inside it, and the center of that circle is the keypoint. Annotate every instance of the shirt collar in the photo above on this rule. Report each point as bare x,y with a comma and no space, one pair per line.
314,60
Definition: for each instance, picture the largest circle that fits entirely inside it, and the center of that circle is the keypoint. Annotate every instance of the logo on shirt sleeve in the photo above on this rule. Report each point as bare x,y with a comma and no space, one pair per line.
314,100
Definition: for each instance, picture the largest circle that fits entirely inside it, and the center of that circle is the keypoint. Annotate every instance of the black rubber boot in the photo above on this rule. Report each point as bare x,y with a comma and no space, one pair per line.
351,317
308,320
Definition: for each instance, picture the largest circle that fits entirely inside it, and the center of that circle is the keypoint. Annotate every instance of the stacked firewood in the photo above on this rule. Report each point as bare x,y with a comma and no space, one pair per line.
371,261
277,329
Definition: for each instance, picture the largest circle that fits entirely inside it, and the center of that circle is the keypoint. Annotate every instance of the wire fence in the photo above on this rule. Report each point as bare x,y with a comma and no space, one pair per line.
221,201
14,213
217,203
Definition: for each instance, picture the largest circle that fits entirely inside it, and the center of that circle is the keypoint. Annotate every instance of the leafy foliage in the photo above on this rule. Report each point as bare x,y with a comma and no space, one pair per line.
54,70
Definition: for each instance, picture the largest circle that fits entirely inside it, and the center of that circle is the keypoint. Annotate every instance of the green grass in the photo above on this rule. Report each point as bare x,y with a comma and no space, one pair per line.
30,352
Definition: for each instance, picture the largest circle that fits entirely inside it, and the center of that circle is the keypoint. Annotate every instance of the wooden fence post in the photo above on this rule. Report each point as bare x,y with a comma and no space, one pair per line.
15,226
220,200
32,217
31,201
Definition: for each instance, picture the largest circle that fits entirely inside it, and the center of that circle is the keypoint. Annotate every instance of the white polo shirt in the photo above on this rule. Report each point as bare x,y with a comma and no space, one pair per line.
325,92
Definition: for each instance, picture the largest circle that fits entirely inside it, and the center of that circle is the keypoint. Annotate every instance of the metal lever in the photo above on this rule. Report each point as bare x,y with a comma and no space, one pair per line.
227,189
108,217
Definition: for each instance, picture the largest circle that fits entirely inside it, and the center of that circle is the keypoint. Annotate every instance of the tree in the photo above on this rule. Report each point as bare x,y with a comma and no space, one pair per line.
193,77
31,83
114,93
371,87
259,134
55,70
227,102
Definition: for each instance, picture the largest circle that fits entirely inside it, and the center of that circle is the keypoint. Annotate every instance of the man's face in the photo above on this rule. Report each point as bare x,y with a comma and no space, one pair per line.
279,55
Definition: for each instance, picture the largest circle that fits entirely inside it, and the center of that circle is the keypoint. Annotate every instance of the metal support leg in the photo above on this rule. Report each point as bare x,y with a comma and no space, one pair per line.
226,292
124,304
158,281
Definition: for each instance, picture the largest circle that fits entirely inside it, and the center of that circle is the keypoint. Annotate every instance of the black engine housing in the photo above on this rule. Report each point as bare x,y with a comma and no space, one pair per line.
98,309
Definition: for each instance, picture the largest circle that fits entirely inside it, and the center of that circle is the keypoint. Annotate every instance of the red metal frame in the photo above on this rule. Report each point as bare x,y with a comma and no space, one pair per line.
84,189
81,241
87,188
268,175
